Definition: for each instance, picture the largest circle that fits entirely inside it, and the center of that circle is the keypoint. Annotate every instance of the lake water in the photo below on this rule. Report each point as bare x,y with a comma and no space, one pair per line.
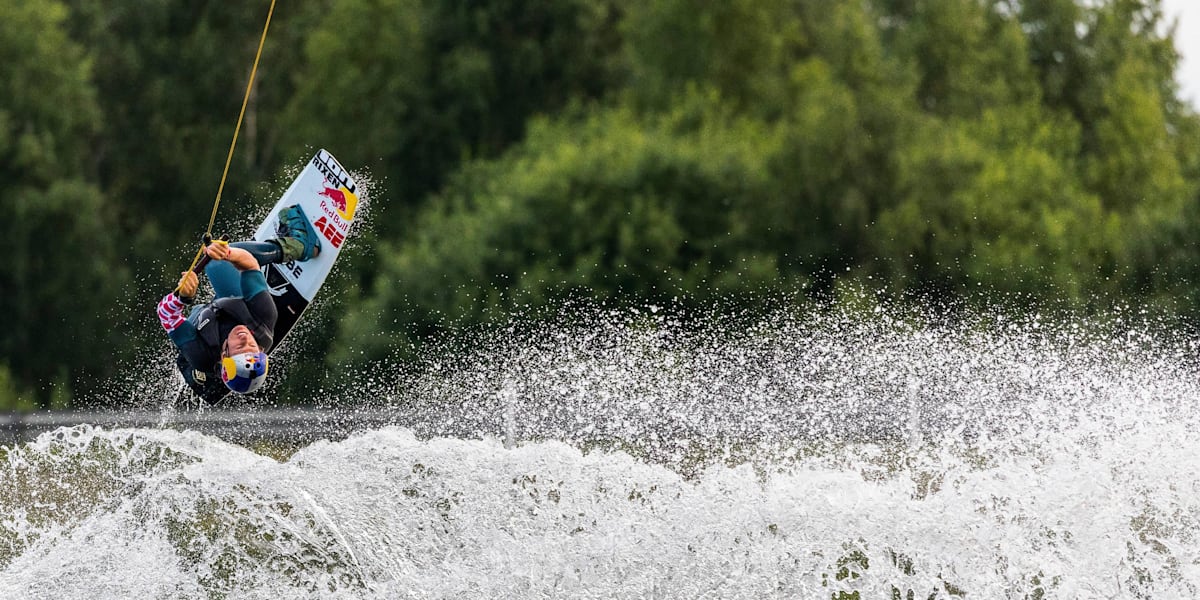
638,455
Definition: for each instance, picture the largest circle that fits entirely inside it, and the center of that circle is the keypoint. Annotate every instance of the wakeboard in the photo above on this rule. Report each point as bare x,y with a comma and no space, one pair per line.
329,197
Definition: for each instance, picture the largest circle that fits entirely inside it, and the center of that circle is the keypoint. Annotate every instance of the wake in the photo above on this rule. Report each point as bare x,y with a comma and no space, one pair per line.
619,454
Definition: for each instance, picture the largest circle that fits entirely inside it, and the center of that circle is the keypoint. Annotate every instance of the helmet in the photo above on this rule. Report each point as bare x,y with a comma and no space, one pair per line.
245,372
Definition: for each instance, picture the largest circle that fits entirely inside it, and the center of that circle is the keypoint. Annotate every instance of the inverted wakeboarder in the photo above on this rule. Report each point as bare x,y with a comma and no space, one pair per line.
223,344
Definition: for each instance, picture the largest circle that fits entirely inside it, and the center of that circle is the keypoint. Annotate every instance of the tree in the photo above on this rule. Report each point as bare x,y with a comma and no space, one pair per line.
603,204
409,89
60,272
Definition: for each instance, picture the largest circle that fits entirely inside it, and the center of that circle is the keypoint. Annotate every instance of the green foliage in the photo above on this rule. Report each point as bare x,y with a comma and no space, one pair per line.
526,152
970,56
741,48
410,87
59,272
12,398
988,202
47,107
60,255
605,204
756,150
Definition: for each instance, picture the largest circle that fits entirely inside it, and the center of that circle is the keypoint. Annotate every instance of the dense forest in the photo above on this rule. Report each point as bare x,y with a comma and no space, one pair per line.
524,152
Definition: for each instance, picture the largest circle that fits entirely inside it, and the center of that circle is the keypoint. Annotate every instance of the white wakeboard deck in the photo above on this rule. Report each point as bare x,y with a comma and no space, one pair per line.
329,197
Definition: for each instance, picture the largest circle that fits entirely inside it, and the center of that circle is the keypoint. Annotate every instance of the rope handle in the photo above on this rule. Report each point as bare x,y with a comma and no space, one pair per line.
201,260
205,259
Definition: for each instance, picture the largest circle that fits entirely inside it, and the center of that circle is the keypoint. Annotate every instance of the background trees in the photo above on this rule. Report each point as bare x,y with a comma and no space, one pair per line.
523,153
57,237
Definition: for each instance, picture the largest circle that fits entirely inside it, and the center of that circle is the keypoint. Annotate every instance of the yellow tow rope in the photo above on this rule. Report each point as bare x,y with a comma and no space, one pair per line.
233,143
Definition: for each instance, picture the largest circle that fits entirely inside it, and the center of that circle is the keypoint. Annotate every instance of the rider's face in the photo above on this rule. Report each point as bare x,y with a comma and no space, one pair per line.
240,340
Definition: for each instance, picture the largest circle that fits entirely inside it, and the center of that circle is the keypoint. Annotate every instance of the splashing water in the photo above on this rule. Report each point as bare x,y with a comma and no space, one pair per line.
614,454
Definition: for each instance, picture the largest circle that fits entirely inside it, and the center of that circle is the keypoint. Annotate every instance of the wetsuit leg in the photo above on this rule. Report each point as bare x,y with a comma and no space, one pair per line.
225,278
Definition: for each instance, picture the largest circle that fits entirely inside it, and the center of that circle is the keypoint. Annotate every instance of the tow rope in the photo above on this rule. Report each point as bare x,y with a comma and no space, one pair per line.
232,144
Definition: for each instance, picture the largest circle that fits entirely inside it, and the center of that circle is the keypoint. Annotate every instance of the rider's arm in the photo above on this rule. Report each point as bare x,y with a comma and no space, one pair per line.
170,312
170,308
243,260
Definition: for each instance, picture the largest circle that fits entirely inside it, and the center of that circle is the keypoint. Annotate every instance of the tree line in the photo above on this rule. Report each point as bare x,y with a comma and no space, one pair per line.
524,152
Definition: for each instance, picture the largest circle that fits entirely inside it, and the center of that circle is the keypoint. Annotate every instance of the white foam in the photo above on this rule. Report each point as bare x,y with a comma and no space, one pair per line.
791,459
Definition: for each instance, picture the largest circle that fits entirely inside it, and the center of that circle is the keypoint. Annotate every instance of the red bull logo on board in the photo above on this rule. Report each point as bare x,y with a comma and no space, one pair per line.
342,199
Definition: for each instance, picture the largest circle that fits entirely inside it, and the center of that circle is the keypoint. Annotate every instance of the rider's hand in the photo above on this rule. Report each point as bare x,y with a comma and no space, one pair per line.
217,250
187,286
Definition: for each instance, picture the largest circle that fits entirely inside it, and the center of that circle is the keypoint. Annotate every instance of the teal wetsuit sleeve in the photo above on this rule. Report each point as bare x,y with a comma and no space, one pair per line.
253,283
193,350
183,334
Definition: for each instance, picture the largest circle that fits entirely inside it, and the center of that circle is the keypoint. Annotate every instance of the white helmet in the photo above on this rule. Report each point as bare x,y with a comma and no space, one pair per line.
245,372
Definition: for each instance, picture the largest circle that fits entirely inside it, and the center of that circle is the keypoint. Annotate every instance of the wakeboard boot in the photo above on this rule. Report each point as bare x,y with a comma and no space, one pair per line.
297,238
